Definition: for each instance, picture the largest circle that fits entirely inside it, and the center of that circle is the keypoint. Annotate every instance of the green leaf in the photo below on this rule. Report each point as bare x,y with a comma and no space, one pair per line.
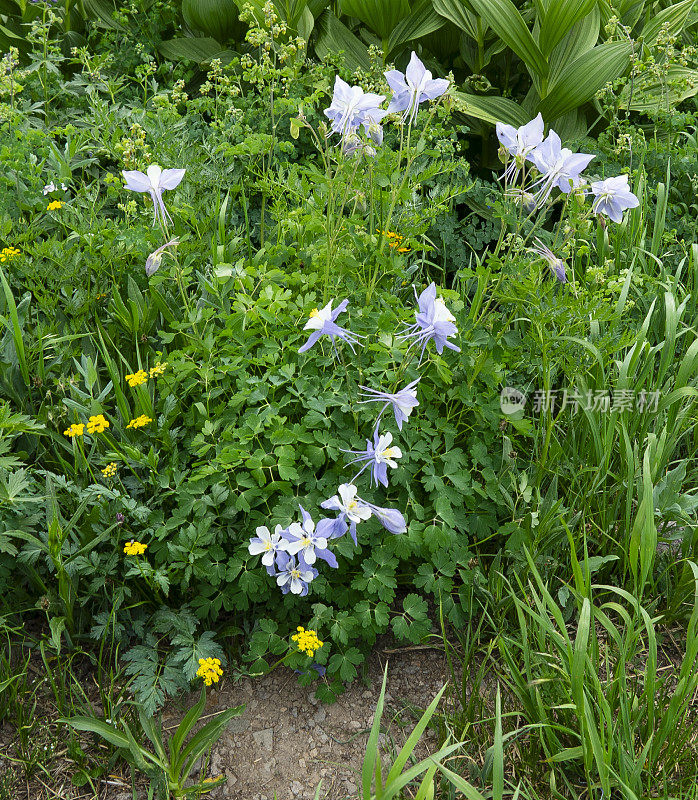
191,48
598,66
505,20
674,17
112,734
380,16
458,13
491,109
581,38
421,22
334,37
559,18
102,13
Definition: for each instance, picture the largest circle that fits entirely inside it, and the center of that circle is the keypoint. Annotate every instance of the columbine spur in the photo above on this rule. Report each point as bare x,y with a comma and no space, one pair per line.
154,181
557,265
432,321
322,323
613,196
412,88
402,401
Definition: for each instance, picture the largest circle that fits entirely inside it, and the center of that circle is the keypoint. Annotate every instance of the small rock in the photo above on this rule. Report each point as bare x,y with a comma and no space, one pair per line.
232,779
296,788
354,725
301,763
367,695
350,788
238,725
313,699
319,715
313,752
264,738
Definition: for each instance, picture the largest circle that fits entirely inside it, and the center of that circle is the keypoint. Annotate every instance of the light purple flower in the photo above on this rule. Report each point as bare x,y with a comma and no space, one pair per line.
558,165
350,509
352,107
613,196
266,544
378,455
154,182
294,576
433,321
414,87
152,263
556,264
520,143
323,323
402,401
305,540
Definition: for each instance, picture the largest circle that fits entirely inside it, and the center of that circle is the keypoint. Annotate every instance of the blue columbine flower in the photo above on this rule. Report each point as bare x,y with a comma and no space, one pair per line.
402,401
293,576
352,107
378,455
309,543
613,196
351,510
557,265
414,87
323,323
433,321
154,182
558,165
266,544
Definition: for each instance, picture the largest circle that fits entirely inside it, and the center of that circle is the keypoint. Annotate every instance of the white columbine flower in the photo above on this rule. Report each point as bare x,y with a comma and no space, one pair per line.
155,181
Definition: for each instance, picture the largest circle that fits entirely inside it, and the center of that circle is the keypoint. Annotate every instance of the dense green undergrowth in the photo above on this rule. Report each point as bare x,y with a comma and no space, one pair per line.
153,394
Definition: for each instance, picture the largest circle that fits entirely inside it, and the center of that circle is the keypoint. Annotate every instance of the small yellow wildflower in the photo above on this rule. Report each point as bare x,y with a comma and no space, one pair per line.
137,378
307,641
158,370
7,253
110,470
54,205
134,548
210,670
139,422
97,424
75,430
395,241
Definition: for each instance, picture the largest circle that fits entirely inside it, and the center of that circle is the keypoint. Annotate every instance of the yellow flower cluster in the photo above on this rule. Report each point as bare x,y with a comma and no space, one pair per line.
158,370
75,430
54,205
97,424
137,378
110,470
139,422
8,252
134,548
210,670
395,241
307,641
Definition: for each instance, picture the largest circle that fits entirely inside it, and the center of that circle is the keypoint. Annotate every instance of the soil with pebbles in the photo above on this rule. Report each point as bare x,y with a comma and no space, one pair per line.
287,741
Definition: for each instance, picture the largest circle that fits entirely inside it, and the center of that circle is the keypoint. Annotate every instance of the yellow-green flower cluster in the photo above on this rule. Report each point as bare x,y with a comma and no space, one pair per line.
110,470
307,641
134,548
210,670
139,422
158,370
7,253
97,424
137,378
75,430
54,205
